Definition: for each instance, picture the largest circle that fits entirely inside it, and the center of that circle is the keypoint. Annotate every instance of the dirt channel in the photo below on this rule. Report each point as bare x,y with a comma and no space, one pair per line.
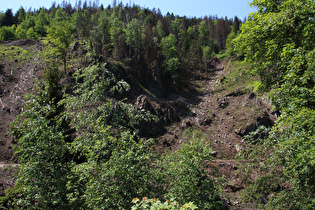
223,118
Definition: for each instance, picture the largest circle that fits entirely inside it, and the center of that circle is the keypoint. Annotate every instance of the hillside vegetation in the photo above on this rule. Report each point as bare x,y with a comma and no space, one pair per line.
124,108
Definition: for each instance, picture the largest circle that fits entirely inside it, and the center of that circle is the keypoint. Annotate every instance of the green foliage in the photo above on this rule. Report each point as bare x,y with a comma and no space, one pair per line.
222,55
7,19
297,89
173,67
83,150
31,34
15,52
20,32
116,163
96,83
42,150
175,26
258,135
230,49
42,22
131,35
287,179
29,21
11,196
169,46
294,133
204,32
117,168
135,36
100,35
186,180
118,39
278,38
59,39
156,204
60,16
53,89
160,31
20,15
274,35
240,78
7,33
171,62
207,53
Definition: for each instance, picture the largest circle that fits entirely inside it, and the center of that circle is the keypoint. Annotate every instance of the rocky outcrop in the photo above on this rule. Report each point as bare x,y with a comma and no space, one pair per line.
212,63
163,110
266,120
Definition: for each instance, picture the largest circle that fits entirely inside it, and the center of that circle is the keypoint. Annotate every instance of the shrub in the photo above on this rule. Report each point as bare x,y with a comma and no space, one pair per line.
185,178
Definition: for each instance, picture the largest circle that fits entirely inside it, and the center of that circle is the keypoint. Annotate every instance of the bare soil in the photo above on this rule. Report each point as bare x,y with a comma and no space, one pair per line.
224,118
17,78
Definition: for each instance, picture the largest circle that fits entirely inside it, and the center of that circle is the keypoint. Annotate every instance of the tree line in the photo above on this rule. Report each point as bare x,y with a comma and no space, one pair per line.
142,39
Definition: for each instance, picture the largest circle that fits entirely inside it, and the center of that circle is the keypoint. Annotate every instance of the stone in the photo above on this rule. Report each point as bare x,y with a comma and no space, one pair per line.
252,95
223,102
214,153
164,111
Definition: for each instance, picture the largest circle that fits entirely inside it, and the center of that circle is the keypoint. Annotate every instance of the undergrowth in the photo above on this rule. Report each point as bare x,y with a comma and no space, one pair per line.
238,79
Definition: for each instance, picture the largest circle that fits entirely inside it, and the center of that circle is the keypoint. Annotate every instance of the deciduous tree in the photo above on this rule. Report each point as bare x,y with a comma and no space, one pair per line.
279,40
59,39
42,150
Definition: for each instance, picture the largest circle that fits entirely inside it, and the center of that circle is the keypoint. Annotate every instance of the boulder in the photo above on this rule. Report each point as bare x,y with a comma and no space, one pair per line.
266,120
223,102
204,120
163,110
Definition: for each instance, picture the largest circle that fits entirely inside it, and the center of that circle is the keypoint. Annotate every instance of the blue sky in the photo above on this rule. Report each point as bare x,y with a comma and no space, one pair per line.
190,8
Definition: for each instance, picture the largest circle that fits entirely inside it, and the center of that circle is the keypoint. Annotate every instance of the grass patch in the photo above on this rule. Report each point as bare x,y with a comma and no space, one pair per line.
14,53
222,56
239,80
19,55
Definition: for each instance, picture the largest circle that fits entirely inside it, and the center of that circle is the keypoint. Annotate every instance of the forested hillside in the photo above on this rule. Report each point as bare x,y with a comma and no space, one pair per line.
121,107
150,44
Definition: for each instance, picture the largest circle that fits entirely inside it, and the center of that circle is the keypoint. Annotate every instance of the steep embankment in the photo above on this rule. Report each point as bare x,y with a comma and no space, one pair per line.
20,62
225,109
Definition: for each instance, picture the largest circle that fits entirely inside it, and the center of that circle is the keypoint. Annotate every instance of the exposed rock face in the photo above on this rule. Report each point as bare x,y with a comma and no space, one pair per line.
212,63
204,120
266,120
163,110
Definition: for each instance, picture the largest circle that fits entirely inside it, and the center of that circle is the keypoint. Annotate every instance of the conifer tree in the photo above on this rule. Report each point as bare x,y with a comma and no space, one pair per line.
8,19
20,15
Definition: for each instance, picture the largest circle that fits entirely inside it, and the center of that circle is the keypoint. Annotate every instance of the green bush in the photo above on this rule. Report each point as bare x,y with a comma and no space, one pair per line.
114,161
278,40
156,204
185,178
7,33
11,195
